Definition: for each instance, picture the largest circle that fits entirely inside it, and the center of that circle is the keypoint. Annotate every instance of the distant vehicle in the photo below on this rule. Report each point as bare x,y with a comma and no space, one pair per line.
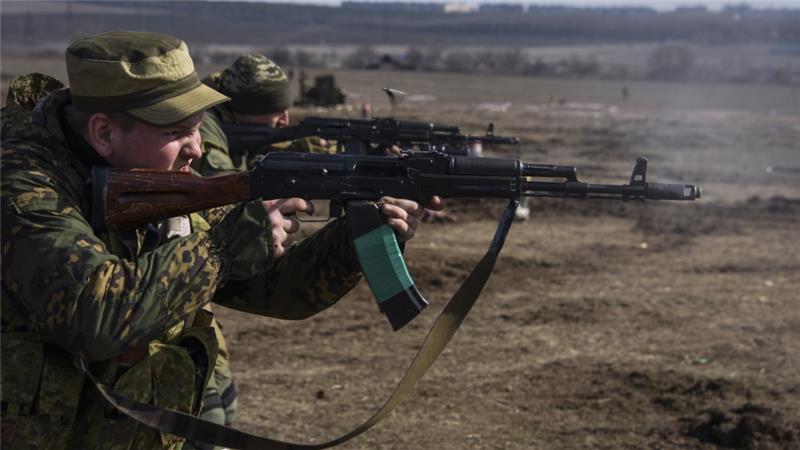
323,93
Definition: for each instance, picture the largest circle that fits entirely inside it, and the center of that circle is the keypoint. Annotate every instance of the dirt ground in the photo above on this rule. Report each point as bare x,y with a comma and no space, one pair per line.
604,325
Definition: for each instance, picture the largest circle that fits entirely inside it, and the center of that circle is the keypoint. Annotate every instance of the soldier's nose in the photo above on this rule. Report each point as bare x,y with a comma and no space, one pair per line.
192,148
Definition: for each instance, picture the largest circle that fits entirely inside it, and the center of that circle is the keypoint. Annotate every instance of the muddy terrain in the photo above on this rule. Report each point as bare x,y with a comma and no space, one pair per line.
604,325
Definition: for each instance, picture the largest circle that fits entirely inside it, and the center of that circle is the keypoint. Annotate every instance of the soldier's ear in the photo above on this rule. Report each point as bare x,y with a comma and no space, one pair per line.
98,134
283,120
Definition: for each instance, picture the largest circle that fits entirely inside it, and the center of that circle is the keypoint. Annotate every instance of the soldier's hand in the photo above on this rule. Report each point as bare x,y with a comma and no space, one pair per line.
281,214
405,215
394,150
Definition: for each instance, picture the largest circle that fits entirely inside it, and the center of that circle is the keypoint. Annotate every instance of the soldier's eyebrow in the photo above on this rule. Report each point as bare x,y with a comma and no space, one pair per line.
188,124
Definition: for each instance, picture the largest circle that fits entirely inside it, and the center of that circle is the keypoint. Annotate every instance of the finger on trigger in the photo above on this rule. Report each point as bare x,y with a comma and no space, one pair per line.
292,205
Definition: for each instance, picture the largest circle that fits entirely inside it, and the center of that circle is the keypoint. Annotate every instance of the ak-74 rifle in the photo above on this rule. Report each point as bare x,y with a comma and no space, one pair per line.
127,198
351,182
364,137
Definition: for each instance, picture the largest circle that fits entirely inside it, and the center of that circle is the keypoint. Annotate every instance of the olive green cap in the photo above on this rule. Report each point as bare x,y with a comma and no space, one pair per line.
149,75
256,85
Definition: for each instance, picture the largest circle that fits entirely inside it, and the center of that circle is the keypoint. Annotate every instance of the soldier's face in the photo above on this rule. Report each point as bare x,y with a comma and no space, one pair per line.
276,120
146,146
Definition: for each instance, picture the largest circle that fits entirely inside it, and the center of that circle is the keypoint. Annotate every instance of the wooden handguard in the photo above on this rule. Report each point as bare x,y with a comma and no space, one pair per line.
126,198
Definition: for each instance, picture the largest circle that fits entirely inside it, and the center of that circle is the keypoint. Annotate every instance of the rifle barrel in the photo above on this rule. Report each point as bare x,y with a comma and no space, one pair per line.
576,189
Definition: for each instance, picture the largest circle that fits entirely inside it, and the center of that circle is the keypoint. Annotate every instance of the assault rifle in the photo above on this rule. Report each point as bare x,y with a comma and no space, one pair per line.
365,137
124,198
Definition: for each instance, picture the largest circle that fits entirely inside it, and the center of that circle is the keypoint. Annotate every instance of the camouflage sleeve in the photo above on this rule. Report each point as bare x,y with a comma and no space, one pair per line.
215,215
89,301
81,296
314,274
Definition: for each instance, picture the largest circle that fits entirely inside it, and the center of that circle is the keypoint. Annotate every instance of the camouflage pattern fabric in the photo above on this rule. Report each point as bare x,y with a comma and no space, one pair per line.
219,398
248,71
69,291
24,92
255,85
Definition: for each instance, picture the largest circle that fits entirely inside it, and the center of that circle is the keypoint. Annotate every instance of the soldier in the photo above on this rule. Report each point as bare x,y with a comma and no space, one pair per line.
266,103
302,83
260,94
130,303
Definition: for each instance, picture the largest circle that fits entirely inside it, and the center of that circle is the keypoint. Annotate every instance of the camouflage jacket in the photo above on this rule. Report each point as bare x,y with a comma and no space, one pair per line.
69,291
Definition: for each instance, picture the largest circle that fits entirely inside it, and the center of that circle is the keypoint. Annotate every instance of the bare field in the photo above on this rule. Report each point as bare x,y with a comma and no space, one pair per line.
605,324
482,92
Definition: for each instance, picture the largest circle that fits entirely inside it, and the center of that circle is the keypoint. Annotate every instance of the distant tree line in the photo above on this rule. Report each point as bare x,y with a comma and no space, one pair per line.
256,23
668,62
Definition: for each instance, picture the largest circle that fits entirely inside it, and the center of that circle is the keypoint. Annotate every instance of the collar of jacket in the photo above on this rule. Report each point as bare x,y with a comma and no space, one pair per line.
49,115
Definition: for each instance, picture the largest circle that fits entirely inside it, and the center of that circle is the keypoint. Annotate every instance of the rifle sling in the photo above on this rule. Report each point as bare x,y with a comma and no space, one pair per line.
198,430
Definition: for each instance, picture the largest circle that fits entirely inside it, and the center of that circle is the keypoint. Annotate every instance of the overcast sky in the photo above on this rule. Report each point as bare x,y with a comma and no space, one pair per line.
658,4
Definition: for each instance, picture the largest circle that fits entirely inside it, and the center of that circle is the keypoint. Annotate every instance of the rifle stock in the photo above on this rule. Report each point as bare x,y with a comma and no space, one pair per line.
126,198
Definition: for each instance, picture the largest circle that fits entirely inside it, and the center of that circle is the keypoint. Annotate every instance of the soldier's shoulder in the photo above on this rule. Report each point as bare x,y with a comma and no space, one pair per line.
26,90
211,131
22,154
37,173
32,182
28,142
